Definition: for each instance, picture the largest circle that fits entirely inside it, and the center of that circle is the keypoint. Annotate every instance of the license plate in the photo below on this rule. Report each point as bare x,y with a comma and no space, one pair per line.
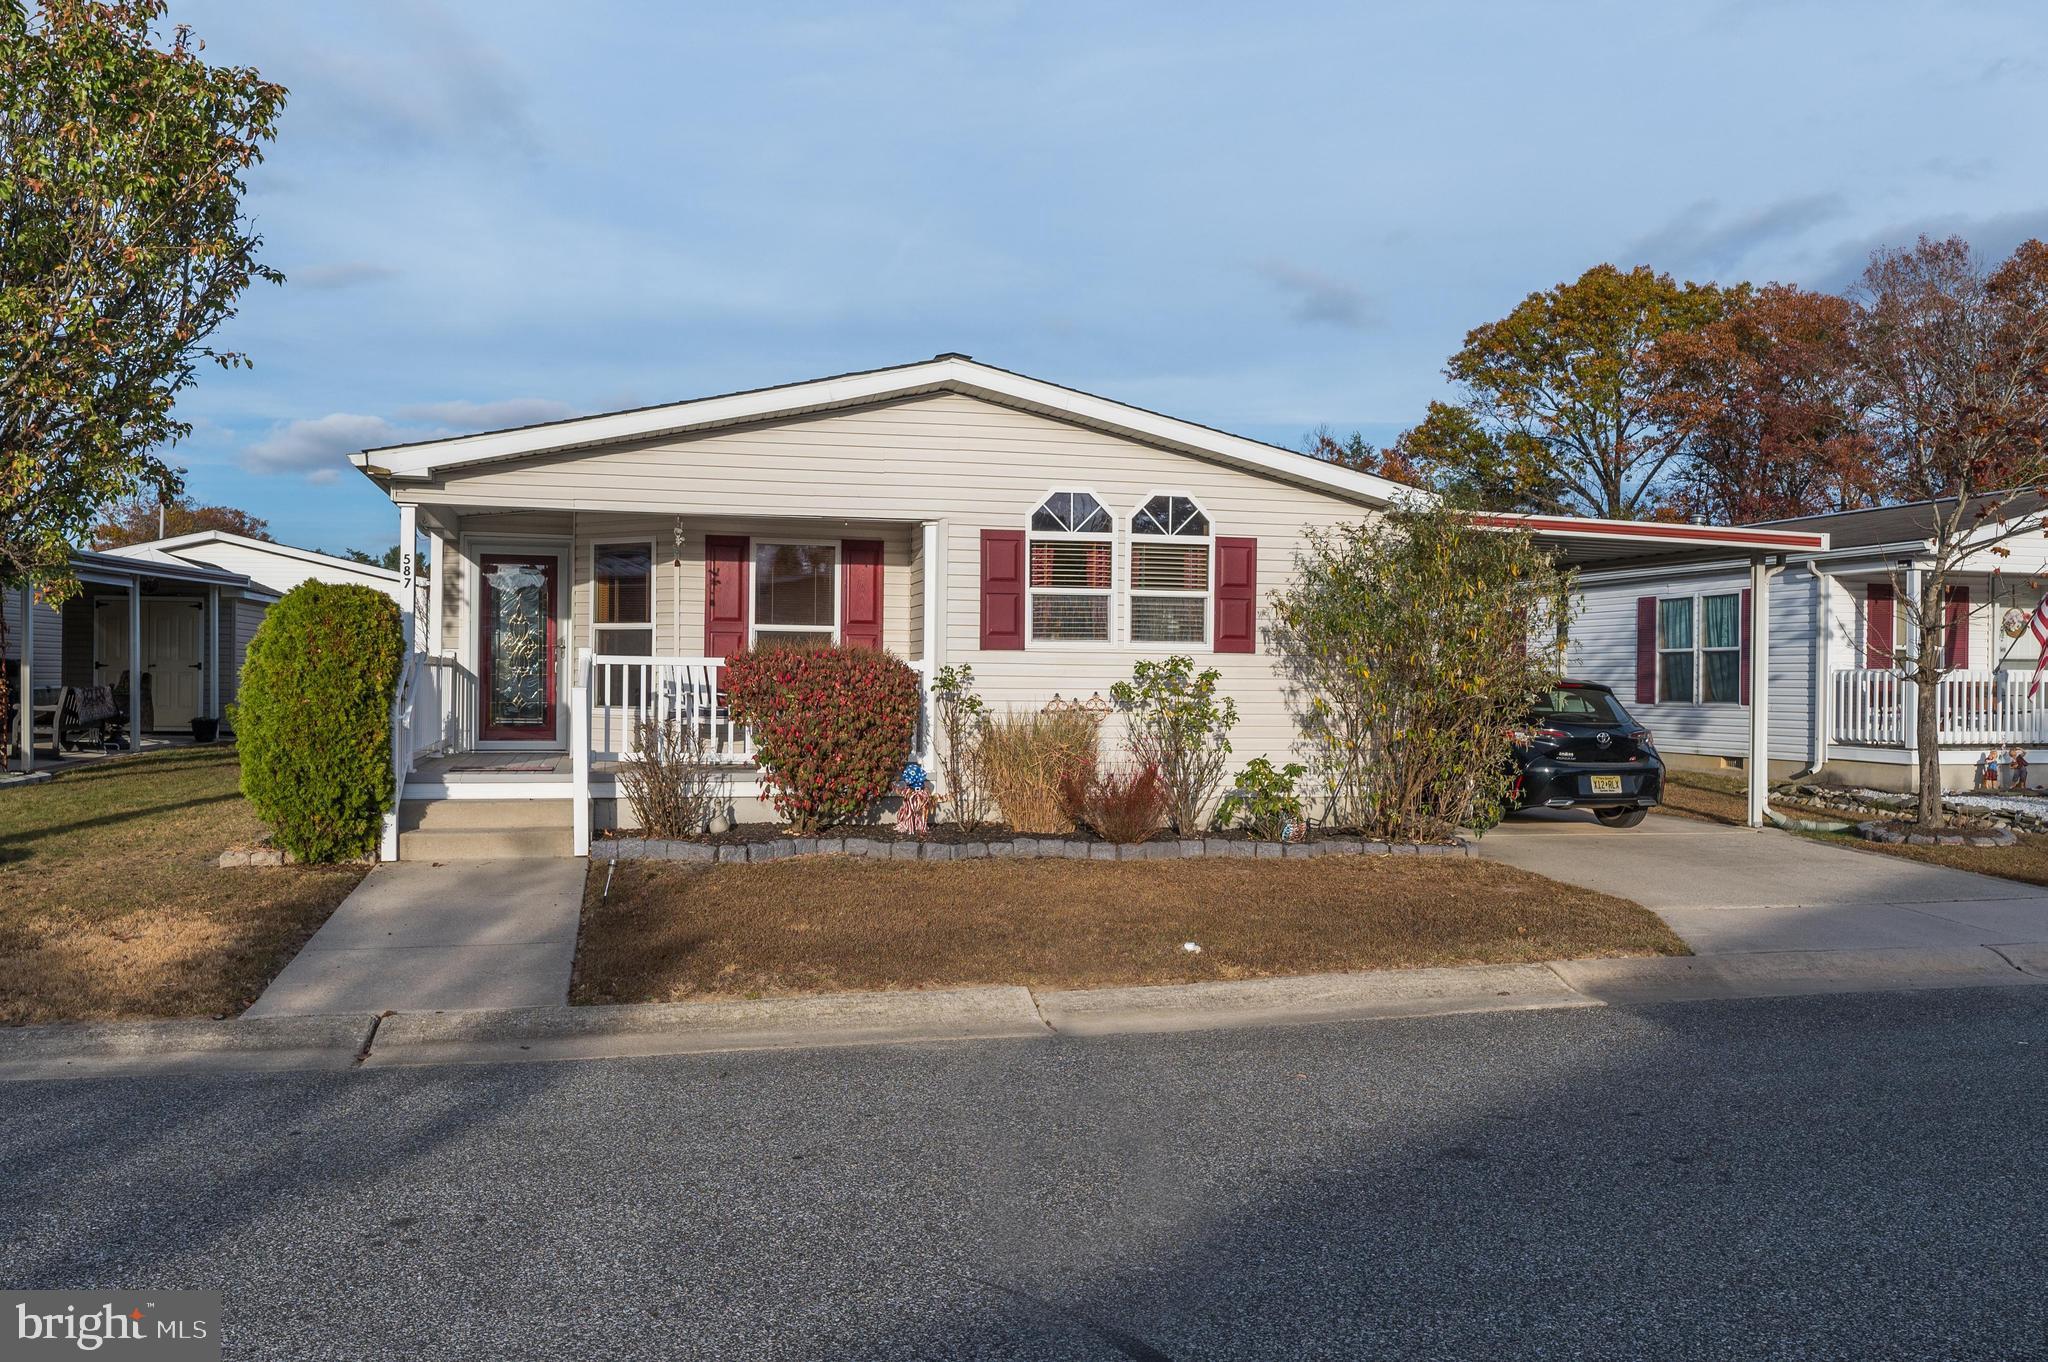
1606,784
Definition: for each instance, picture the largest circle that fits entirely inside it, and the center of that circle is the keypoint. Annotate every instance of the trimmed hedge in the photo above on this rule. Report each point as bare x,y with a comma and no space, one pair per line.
313,718
832,727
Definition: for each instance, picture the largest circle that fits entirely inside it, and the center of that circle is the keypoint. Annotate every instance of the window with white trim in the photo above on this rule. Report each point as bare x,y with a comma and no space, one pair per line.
621,616
1172,572
1699,649
796,593
1072,552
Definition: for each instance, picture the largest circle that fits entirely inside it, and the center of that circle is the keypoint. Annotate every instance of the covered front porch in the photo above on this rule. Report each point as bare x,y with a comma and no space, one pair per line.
545,640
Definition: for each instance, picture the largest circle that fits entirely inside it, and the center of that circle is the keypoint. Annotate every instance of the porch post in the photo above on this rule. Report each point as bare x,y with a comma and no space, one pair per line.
1909,691
1823,669
135,664
408,574
932,550
213,653
1759,688
25,678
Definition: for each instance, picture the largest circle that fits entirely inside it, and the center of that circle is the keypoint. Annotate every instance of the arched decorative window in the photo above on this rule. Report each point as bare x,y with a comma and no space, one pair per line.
1172,571
1073,552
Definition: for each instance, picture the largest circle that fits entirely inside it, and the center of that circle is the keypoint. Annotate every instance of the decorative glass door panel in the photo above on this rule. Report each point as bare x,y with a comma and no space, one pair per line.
517,662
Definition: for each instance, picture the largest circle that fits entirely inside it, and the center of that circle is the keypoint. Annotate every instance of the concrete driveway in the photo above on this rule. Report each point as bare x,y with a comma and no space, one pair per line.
1727,889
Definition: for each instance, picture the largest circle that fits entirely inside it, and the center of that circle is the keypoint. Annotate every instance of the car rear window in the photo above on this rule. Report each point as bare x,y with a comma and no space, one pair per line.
1569,706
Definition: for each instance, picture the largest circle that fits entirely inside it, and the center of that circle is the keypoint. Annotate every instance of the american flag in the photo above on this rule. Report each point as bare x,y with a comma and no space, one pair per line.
2039,624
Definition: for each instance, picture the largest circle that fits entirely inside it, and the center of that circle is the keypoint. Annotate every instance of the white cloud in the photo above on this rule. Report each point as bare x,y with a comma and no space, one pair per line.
319,444
475,416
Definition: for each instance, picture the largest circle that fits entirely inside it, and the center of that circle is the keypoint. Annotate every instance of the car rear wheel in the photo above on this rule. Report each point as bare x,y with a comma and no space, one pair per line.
1621,818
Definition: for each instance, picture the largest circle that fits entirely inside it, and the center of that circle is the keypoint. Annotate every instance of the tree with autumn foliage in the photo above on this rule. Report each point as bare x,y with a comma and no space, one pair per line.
1561,412
1951,375
1360,455
1765,410
135,520
123,247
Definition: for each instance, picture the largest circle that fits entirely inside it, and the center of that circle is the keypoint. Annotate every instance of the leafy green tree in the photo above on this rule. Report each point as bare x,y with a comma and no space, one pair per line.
1562,387
387,560
123,247
1412,643
1453,452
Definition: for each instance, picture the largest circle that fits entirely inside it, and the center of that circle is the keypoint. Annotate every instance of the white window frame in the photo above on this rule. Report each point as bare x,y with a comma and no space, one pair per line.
653,563
754,547
1108,593
1697,653
1130,577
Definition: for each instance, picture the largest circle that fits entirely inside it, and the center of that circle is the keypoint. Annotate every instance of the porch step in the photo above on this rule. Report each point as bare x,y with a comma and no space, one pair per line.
484,829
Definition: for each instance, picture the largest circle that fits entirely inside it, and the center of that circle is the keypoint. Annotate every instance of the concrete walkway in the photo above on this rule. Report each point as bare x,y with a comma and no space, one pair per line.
416,936
1728,890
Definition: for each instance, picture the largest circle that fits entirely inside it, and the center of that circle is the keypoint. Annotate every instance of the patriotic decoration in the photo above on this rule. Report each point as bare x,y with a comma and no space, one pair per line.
2039,624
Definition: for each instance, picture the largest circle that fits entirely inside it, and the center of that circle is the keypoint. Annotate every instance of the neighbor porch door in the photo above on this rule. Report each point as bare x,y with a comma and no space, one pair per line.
519,641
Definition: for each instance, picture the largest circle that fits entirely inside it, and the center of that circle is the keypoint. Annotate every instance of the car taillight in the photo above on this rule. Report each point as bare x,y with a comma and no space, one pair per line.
1643,739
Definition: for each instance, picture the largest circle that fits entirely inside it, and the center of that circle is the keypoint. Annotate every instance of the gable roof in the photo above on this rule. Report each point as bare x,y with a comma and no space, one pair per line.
943,373
200,538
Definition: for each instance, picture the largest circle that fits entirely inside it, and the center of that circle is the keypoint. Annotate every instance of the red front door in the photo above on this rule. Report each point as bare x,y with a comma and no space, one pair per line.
516,652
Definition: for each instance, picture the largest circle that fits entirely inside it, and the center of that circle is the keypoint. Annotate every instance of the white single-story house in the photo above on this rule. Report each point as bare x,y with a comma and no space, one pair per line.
1672,641
948,511
187,605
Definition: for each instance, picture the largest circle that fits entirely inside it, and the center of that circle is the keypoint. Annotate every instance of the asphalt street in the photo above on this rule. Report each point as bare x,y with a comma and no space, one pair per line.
1847,1177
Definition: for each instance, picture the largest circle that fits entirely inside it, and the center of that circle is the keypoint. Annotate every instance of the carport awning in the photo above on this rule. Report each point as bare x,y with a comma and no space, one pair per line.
1583,542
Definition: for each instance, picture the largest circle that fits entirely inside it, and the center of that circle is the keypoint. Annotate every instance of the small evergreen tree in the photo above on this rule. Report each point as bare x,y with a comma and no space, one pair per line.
313,718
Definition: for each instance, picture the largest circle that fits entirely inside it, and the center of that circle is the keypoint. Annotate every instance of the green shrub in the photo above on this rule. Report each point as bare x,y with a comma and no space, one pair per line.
1179,728
832,727
1265,798
1413,642
1027,753
313,718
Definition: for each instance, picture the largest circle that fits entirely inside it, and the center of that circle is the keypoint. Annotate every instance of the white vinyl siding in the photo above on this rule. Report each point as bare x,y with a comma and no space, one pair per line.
875,473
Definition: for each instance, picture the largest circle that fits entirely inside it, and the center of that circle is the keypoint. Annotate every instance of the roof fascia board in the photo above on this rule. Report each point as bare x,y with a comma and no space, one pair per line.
201,537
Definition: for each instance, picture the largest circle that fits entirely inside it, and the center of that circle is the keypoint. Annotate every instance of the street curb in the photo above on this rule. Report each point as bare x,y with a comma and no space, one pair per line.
1305,998
98,1049
1779,974
411,1038
519,1035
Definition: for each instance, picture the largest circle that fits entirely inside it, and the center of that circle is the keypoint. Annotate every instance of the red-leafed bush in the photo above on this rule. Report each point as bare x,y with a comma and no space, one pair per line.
832,727
1118,808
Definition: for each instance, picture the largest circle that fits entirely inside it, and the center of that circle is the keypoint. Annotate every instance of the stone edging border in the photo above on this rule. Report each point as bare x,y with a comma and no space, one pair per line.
1878,831
1016,848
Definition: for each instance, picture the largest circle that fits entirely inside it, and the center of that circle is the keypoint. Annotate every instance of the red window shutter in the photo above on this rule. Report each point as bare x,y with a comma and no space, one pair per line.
1002,589
725,594
1877,626
860,592
1646,650
1743,683
1955,627
1237,595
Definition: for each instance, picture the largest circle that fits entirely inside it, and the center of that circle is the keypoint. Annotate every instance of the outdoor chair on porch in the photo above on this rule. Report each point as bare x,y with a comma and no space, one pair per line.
52,711
100,712
148,708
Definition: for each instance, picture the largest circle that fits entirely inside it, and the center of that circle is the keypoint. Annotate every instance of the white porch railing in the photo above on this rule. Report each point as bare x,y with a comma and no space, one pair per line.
444,707
685,691
1974,709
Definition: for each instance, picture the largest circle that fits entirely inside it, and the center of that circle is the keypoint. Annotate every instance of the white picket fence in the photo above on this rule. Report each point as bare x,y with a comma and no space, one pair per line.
1974,708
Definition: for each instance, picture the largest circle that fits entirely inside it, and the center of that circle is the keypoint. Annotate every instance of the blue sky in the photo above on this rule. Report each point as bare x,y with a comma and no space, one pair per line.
1261,218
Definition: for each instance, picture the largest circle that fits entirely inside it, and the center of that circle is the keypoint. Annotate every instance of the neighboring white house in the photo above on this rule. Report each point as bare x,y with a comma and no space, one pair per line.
948,511
187,606
275,567
1672,641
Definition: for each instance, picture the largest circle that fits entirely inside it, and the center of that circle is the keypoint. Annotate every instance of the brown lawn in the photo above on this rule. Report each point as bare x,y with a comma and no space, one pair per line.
670,932
1720,799
111,905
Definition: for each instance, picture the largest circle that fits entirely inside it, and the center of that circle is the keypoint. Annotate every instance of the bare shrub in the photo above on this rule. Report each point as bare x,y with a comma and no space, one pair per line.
1118,808
670,780
963,724
1025,754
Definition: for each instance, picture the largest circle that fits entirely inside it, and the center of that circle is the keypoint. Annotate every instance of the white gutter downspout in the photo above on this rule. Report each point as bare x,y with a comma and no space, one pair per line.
1761,570
1823,669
